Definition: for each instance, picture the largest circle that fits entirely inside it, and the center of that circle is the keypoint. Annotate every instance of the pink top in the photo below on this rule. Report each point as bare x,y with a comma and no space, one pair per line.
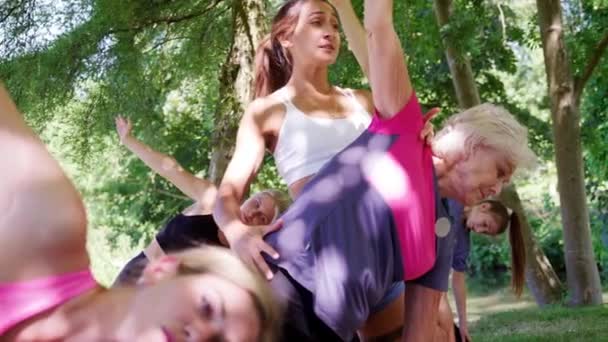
406,181
23,300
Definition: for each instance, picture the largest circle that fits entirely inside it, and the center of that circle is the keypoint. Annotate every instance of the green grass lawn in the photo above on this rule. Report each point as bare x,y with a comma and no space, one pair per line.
497,315
551,324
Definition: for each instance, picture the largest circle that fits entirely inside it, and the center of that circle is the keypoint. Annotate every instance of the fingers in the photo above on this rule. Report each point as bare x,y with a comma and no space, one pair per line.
427,130
268,249
272,227
431,114
427,134
122,121
262,266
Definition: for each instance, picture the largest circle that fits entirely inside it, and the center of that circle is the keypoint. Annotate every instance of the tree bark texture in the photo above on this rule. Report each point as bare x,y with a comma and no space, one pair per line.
236,81
541,279
540,276
582,273
459,64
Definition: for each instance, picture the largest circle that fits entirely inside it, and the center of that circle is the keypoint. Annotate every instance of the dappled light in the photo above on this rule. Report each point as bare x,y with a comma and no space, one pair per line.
184,74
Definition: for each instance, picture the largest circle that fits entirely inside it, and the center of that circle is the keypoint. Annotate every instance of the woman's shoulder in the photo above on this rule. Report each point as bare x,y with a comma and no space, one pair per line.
269,105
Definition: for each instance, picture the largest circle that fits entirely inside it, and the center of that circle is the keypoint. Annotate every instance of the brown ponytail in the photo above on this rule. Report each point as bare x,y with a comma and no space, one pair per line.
272,67
518,255
273,63
516,240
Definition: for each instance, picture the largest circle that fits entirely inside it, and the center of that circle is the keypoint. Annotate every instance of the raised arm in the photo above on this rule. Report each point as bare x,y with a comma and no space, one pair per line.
42,213
388,75
354,32
200,190
246,241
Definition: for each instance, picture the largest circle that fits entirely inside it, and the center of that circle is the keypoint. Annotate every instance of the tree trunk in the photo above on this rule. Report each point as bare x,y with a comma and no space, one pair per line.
540,276
582,273
460,66
544,284
236,81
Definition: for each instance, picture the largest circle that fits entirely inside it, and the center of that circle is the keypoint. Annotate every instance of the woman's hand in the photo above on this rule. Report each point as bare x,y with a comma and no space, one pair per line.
248,243
123,128
464,332
428,131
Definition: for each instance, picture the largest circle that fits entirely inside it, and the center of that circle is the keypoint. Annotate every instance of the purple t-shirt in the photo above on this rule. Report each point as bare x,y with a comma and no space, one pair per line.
362,222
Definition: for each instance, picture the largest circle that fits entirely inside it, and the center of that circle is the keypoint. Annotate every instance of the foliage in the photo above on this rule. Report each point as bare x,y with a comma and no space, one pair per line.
73,65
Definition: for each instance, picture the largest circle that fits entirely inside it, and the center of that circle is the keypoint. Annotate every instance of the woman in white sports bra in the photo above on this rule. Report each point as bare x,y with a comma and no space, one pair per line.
303,120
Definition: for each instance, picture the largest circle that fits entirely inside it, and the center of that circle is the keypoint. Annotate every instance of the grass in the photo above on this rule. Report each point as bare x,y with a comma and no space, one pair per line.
495,314
551,325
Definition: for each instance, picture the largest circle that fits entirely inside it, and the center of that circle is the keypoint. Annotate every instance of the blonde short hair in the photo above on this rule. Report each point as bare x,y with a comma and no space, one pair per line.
281,199
222,263
489,126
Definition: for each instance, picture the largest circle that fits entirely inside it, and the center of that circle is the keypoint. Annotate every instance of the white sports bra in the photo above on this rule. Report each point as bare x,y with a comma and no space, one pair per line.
306,143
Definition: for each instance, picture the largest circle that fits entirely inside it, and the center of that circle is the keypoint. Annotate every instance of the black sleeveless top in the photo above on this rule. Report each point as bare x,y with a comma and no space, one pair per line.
183,231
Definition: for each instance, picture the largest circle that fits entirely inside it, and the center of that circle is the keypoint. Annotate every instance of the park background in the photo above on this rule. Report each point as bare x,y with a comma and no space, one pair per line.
182,71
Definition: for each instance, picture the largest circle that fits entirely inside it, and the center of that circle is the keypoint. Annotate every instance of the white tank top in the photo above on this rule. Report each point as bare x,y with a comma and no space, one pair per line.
306,143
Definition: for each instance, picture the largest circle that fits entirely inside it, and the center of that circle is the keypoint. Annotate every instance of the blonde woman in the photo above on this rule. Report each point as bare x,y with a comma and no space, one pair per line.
194,226
47,291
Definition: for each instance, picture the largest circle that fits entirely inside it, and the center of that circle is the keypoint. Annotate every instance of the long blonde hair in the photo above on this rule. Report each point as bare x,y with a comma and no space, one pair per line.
222,263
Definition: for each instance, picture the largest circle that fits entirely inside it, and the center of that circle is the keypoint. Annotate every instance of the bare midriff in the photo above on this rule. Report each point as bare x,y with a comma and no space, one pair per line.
296,187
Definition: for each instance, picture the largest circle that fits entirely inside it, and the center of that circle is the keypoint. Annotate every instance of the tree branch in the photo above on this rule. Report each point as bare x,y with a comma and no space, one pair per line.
9,12
596,55
167,20
165,41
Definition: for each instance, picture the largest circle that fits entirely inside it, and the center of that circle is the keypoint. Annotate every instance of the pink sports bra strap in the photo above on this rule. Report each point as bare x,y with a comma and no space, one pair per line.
23,300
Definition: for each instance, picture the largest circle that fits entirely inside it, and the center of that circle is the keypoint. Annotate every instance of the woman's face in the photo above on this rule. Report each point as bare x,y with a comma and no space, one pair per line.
482,221
316,36
259,209
206,308
480,175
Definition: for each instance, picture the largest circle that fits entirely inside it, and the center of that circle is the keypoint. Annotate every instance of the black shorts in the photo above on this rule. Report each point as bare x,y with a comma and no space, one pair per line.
300,323
183,232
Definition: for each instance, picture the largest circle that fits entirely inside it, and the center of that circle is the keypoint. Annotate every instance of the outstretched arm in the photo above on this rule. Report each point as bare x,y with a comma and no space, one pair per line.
354,32
388,75
42,213
246,241
200,190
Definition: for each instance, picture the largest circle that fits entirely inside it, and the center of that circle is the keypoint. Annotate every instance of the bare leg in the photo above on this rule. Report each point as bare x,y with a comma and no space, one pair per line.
43,223
445,328
386,325
421,313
